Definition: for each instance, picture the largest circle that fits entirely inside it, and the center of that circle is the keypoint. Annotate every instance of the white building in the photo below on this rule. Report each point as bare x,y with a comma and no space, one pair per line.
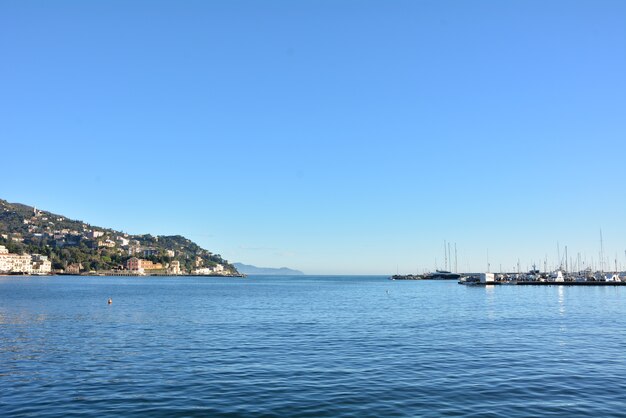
208,271
14,263
40,264
5,266
25,263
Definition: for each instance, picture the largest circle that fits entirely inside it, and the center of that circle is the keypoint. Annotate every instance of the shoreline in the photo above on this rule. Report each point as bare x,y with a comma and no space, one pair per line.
119,275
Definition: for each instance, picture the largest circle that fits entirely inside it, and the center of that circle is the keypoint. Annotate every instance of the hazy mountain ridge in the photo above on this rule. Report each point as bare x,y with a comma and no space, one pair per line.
250,269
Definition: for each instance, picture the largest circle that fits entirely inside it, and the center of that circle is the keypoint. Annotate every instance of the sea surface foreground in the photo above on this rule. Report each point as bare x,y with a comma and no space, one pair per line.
308,346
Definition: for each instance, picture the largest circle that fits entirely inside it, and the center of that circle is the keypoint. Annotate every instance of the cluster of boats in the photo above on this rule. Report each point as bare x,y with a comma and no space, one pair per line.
533,277
437,275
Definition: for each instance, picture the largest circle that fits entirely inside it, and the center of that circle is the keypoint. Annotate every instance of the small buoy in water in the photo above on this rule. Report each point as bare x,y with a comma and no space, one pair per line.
110,301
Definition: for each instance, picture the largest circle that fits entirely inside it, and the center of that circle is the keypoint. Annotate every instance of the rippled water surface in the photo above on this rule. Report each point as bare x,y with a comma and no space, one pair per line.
308,346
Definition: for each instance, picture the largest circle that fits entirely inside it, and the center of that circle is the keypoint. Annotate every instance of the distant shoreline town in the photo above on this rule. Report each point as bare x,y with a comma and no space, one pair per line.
36,242
40,265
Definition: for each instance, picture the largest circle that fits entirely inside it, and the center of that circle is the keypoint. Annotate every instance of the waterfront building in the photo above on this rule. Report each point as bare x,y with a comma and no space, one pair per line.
134,264
14,263
5,266
40,264
208,271
73,268
140,265
149,265
174,267
20,263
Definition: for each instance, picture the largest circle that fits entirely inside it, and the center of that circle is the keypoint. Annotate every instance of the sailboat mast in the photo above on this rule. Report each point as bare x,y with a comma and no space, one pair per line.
601,252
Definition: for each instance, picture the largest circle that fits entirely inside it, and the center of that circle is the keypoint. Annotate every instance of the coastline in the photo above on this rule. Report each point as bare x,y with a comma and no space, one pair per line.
120,274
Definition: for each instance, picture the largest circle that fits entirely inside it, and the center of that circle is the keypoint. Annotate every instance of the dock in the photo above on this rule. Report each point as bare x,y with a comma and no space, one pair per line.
589,283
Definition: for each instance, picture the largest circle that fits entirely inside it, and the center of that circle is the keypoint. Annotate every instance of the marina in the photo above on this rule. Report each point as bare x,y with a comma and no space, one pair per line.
533,278
569,283
437,275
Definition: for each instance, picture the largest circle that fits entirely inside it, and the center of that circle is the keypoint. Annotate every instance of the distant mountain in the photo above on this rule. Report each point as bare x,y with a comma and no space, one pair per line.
248,269
25,229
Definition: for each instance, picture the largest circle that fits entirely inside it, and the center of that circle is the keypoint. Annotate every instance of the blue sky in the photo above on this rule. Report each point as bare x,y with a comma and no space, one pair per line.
329,136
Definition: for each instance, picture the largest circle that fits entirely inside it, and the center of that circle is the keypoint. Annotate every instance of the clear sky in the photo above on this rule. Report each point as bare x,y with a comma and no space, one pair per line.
327,136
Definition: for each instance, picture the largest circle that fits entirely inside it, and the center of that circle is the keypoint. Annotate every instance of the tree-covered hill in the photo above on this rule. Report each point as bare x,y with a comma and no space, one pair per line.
25,229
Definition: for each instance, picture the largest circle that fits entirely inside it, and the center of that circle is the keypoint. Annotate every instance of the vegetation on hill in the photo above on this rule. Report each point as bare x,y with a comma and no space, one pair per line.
24,229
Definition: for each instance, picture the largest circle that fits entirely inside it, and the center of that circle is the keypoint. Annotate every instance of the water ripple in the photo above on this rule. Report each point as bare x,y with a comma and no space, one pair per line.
308,347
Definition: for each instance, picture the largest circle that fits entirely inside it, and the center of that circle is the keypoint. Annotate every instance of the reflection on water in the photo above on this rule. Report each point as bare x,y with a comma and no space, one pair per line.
563,339
491,310
561,292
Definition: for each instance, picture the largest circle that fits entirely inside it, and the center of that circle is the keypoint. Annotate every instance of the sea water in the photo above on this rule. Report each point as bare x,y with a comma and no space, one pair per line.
308,346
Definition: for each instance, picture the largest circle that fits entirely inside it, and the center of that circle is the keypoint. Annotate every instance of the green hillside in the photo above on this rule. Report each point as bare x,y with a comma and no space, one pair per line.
24,229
